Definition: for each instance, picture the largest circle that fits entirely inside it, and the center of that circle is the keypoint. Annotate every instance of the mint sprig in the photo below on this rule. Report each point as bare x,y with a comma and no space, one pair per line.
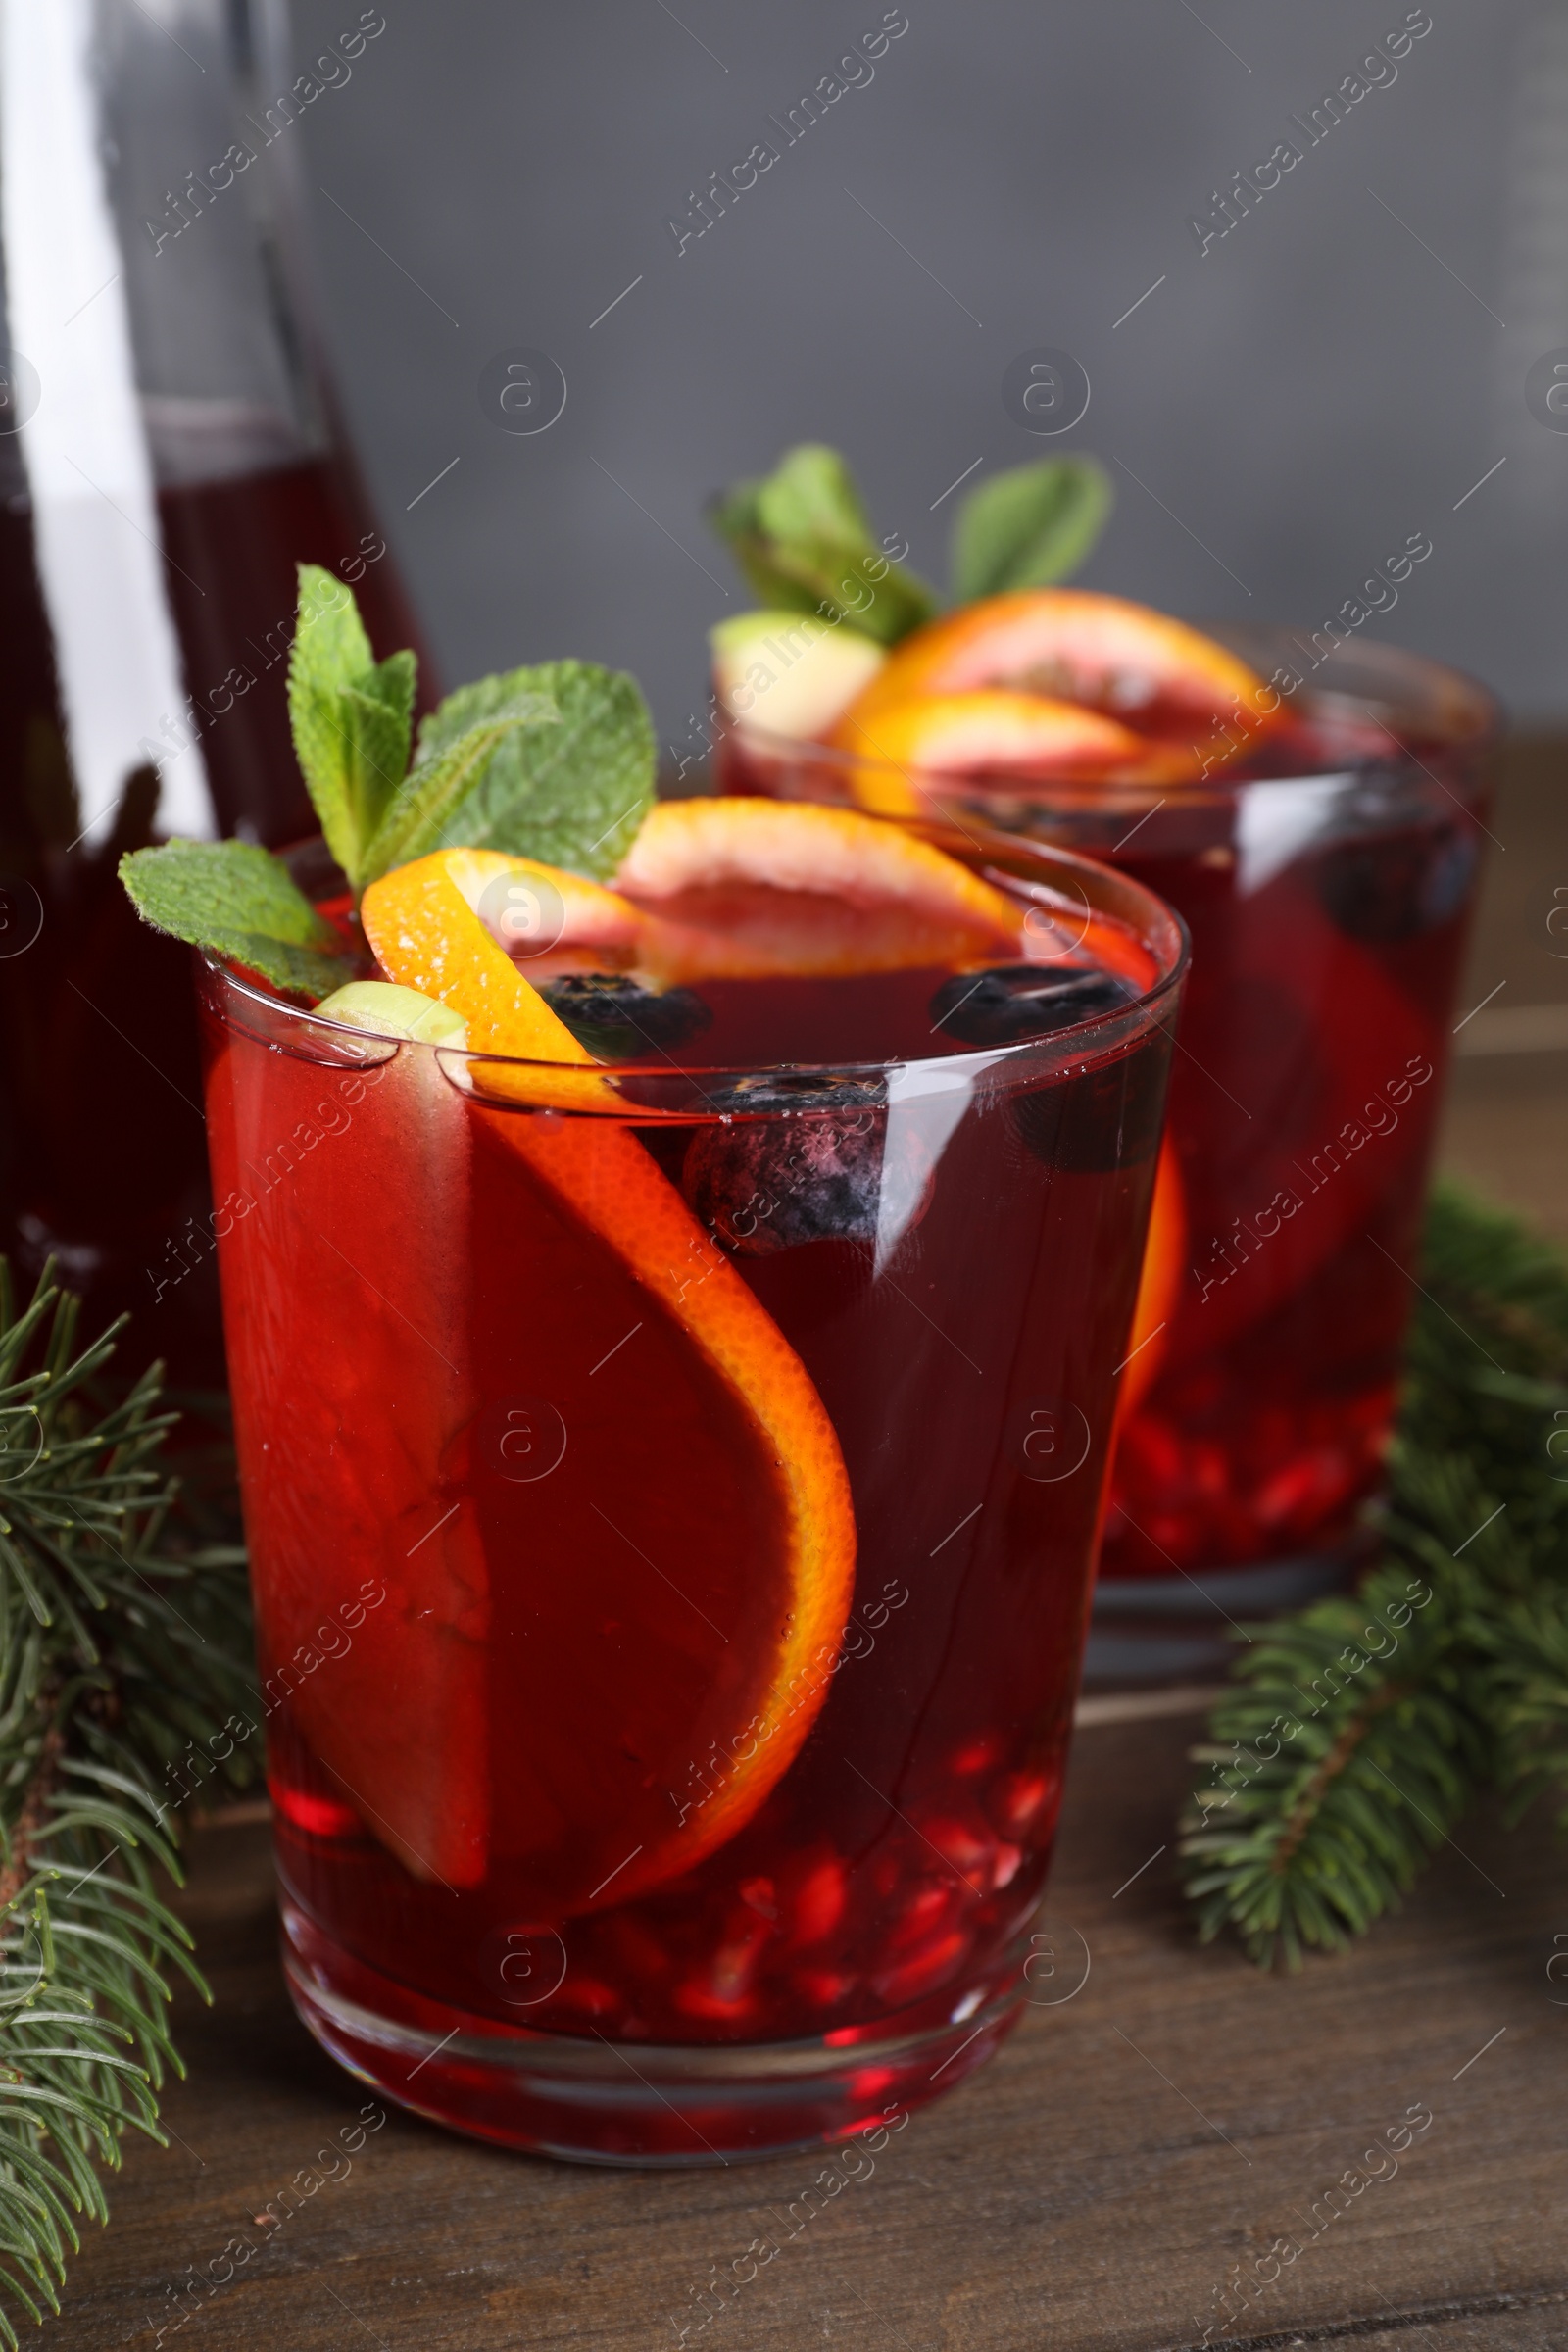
803,540
553,763
573,793
1029,526
430,808
238,901
352,718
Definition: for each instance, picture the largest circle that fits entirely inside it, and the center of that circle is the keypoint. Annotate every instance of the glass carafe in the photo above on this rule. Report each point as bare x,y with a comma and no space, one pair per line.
170,449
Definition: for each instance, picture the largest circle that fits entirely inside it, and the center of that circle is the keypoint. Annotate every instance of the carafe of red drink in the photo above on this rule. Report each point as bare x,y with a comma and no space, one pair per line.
170,449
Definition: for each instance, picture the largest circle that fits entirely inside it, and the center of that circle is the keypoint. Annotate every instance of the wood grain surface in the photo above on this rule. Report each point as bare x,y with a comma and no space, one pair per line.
1172,2117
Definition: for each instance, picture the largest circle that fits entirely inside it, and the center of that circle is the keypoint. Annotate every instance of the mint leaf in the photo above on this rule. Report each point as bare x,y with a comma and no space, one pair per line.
238,901
392,684
571,794
352,718
1029,526
810,496
426,814
804,543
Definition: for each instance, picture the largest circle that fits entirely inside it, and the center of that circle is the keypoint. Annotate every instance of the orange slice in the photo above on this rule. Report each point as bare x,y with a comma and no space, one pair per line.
784,1601
1155,674
1159,1285
990,736
737,889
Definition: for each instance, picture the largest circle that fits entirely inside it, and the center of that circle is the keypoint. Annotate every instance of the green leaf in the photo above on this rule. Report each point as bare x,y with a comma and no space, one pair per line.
803,542
573,793
1029,526
426,812
811,495
237,899
1333,1772
393,684
87,1950
352,718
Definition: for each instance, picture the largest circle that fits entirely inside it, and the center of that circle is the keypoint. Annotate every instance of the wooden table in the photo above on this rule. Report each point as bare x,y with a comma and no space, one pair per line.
1169,2120
1507,1129
1172,2117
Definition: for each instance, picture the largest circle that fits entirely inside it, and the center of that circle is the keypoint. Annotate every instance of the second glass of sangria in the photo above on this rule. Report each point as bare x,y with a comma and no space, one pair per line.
1314,807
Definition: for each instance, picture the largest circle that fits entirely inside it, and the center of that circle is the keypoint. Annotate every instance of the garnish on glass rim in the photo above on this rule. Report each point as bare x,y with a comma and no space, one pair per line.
1021,679
554,762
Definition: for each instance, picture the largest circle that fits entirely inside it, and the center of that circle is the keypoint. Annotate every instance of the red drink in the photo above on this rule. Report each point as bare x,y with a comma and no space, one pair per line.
1326,880
232,549
90,998
170,450
566,1826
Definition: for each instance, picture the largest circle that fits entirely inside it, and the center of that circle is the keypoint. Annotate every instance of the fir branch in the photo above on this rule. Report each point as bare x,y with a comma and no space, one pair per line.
118,1642
1525,1648
1358,1731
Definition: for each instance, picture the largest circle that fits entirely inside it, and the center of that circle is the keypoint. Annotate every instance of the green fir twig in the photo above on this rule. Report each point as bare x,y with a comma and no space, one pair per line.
1358,1730
119,1642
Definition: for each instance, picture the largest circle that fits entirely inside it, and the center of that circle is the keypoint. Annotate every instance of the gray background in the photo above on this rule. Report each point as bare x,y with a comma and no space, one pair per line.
1279,416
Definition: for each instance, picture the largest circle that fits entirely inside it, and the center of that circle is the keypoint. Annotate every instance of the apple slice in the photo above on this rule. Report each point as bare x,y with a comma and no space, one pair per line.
788,673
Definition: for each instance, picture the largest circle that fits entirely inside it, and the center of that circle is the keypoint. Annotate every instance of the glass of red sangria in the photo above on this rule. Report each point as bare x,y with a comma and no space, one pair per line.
674,1330
1314,807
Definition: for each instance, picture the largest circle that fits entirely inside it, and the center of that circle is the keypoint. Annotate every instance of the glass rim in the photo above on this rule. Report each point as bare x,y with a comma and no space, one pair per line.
1468,720
1103,889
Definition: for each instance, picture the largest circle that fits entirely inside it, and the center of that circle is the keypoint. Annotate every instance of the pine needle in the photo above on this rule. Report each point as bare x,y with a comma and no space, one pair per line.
120,1643
1359,1730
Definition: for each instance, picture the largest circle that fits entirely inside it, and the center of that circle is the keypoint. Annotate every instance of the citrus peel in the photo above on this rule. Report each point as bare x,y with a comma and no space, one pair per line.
904,751
1187,703
422,924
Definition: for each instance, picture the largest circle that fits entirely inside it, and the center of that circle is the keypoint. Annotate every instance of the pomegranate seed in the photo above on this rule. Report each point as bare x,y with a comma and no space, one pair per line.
824,1987
817,1903
898,1986
1007,1863
968,1848
1021,1798
929,1908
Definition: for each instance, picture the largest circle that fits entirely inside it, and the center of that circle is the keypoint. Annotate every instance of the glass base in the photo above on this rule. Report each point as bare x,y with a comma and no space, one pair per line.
1169,1628
646,2104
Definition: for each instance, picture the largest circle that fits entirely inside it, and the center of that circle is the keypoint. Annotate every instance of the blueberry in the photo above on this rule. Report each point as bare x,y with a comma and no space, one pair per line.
1393,888
619,1020
1015,1000
801,1090
810,1171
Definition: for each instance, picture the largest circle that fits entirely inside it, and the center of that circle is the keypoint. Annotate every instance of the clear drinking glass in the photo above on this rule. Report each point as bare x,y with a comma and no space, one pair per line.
1329,906
607,1822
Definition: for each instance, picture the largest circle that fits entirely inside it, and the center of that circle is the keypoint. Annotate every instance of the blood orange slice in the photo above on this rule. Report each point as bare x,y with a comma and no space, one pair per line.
906,750
738,889
1153,674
